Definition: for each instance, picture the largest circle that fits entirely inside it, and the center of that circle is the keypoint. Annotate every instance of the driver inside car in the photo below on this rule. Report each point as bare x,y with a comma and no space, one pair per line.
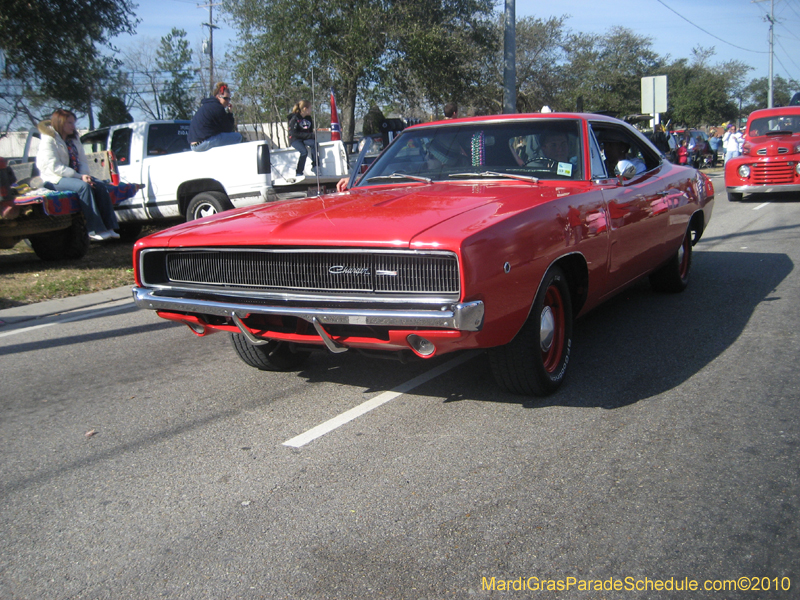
555,146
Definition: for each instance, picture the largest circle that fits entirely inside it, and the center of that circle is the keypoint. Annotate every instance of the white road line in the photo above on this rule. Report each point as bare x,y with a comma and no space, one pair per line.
118,305
380,399
760,206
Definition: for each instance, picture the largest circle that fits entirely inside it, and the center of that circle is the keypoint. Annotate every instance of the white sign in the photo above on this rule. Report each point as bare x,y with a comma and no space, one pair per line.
654,94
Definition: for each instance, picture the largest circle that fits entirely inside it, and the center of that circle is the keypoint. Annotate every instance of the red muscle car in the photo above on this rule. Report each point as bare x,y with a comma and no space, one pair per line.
770,160
490,232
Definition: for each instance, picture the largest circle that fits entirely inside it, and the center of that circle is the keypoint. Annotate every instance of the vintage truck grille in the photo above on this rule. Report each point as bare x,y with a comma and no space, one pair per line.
772,173
319,271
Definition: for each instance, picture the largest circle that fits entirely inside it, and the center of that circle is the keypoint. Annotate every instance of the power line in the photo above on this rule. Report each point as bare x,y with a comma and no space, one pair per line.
789,56
709,33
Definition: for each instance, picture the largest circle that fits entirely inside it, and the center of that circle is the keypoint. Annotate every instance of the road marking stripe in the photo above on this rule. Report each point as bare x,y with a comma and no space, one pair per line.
380,399
84,315
760,206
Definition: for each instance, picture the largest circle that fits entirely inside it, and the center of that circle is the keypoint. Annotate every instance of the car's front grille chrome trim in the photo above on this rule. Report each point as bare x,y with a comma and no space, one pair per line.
466,316
359,272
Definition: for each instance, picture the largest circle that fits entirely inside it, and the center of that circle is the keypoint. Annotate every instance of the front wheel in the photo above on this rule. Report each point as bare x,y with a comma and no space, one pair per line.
673,277
734,197
272,356
206,204
535,362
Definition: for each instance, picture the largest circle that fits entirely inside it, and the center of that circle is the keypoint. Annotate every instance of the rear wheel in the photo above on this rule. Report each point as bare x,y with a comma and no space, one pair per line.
207,204
535,361
673,277
64,244
129,232
272,356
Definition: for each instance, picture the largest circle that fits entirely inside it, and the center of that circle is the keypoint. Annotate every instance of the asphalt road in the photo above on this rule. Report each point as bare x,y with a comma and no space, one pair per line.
670,454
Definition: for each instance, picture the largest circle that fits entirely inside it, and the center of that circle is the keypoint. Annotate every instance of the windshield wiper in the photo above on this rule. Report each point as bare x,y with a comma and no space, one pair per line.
402,176
779,132
528,178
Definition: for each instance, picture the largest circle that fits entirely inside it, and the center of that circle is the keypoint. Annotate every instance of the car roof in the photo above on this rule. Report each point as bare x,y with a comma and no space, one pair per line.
774,112
520,116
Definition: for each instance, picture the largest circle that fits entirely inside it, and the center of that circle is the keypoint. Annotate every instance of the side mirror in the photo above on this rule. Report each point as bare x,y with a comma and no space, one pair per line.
625,169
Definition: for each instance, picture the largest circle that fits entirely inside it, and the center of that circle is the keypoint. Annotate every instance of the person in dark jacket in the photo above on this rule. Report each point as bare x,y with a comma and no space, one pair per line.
213,124
301,135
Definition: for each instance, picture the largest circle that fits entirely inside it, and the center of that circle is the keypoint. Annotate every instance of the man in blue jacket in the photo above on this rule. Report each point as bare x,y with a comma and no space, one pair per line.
213,124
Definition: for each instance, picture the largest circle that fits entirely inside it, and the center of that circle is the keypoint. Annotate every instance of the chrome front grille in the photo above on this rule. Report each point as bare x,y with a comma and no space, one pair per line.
772,173
358,272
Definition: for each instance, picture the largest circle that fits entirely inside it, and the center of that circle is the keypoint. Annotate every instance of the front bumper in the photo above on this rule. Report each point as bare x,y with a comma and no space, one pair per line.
467,316
763,189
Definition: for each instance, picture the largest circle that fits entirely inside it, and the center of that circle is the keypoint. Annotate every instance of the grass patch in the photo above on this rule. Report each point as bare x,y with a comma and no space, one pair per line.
26,279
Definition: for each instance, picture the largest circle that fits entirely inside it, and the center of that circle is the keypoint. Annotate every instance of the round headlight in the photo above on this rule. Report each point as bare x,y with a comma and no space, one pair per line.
744,171
797,168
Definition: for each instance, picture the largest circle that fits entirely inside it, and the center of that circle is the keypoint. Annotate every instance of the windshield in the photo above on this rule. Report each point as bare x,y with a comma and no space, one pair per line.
539,149
779,124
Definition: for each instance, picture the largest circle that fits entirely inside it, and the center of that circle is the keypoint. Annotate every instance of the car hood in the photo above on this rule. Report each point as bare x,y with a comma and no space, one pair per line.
379,217
774,144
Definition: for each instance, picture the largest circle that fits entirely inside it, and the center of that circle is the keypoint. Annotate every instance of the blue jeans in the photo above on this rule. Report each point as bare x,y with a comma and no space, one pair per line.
731,154
95,203
221,139
303,147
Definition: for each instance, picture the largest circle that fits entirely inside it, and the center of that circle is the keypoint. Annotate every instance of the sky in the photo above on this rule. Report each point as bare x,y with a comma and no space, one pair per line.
736,29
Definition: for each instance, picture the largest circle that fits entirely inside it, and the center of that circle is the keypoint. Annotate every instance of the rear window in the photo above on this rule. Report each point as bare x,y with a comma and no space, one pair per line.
167,138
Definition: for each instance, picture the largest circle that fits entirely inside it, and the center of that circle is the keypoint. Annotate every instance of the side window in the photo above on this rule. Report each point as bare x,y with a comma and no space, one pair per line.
167,138
598,166
618,143
121,145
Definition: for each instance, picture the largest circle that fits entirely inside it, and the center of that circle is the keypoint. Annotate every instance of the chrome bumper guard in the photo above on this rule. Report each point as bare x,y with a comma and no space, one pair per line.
467,316
763,189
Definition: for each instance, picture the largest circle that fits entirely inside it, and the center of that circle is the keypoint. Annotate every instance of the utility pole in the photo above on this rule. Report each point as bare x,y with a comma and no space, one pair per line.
770,94
771,18
510,60
211,28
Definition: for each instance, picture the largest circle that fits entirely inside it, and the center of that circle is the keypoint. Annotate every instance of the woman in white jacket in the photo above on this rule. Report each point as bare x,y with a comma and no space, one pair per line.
63,166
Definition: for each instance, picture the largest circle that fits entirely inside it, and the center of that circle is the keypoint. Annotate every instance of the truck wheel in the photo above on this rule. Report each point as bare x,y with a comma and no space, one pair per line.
734,197
535,362
272,356
69,243
673,277
129,232
207,204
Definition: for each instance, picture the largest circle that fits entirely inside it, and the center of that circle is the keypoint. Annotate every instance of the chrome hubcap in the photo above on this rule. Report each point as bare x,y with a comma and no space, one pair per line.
206,211
547,327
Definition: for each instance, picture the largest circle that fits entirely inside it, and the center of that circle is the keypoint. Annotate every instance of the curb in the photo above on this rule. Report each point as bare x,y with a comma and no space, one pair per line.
30,312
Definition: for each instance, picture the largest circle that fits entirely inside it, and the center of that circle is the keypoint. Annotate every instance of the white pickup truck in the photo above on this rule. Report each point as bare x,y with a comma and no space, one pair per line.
181,183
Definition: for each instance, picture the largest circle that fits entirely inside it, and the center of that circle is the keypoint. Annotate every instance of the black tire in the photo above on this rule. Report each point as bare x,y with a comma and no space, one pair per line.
65,244
735,197
535,362
206,204
129,232
673,277
272,356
